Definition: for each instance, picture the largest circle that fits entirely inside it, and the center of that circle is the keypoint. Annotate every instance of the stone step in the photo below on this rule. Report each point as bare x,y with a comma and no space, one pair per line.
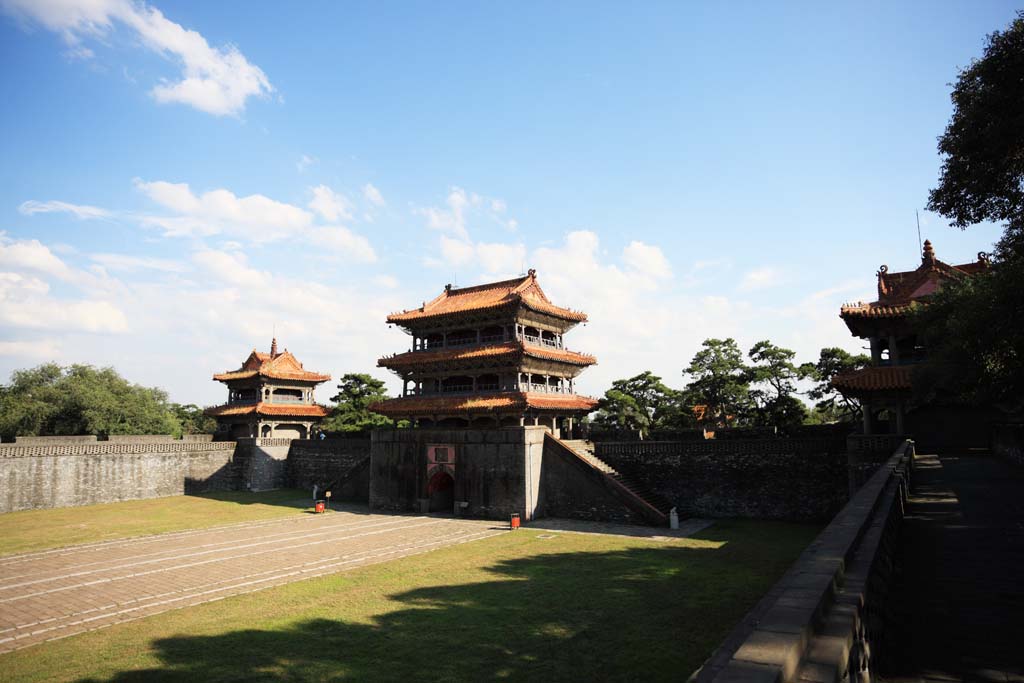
585,450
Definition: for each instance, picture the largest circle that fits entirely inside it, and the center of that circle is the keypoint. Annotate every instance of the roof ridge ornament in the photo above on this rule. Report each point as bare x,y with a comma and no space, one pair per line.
928,257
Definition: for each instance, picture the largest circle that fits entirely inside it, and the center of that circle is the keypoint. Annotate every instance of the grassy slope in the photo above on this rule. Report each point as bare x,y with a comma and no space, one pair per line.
517,606
30,530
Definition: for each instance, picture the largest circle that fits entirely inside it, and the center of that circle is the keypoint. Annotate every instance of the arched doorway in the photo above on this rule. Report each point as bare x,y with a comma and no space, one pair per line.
441,491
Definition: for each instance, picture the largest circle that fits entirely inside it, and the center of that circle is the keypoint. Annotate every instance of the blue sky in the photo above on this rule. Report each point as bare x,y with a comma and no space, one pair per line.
180,179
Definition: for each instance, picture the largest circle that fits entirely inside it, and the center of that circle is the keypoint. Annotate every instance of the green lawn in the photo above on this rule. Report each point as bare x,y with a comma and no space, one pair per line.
30,530
529,605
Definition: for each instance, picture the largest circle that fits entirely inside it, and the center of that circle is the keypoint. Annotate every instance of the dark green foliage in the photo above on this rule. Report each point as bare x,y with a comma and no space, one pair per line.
640,404
773,376
973,328
80,399
720,381
983,171
974,332
193,420
831,405
351,413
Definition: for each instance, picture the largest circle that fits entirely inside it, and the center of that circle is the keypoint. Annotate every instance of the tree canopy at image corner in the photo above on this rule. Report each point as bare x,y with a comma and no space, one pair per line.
974,327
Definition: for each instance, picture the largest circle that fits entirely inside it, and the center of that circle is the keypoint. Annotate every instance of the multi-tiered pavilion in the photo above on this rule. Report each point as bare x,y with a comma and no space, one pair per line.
885,388
270,396
491,355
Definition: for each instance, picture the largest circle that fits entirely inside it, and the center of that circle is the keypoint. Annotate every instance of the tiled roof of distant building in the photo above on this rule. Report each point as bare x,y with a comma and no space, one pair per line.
898,292
495,295
512,401
287,410
273,365
880,378
510,351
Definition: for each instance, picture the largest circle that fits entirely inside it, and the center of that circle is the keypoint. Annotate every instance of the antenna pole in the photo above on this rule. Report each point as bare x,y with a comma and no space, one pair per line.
920,246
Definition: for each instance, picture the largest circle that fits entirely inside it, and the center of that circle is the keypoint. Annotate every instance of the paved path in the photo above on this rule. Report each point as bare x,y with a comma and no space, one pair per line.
962,607
56,593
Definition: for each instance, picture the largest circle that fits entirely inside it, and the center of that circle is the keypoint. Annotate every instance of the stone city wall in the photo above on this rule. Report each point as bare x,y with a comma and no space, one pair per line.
826,618
572,489
340,465
778,478
61,474
497,471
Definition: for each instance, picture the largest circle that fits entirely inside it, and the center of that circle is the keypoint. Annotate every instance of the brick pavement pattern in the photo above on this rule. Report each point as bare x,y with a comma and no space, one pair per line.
961,591
56,593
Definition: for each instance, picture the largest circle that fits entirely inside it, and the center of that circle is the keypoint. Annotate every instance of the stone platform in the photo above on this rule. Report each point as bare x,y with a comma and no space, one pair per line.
57,593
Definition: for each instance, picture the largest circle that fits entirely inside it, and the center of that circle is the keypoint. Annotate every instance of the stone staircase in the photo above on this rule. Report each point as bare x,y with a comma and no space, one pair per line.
585,450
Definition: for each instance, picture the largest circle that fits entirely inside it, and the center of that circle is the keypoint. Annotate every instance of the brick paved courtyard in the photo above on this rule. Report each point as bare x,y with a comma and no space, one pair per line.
57,593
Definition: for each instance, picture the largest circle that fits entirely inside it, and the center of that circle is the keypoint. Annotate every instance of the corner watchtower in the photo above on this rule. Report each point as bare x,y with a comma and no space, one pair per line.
270,396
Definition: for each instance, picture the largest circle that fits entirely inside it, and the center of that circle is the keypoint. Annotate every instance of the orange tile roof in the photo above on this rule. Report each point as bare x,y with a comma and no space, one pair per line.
875,310
514,401
495,295
878,378
504,351
297,410
274,366
898,292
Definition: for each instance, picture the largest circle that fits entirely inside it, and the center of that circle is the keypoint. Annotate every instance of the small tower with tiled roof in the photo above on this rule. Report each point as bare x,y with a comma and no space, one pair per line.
270,396
487,356
895,344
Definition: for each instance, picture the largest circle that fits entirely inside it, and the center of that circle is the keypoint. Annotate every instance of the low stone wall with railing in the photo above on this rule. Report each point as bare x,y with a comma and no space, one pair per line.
825,619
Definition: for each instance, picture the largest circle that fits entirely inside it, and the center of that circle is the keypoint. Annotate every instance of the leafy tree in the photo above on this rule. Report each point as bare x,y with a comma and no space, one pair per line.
774,375
831,405
974,327
720,381
192,419
351,413
640,404
620,411
81,399
982,176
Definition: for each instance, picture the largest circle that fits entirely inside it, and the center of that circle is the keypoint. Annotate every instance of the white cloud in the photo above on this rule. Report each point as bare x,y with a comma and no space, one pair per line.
132,264
39,349
760,278
214,80
647,259
304,162
373,195
460,206
330,204
385,281
343,240
31,255
80,211
255,216
231,269
26,303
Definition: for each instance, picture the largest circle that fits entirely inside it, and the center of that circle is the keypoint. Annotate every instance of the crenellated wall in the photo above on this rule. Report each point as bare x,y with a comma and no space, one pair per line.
40,475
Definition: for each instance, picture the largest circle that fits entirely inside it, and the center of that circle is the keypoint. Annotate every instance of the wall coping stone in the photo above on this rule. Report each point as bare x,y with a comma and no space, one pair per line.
17,450
777,632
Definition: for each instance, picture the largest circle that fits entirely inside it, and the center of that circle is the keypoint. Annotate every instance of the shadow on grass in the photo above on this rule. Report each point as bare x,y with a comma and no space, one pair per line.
649,613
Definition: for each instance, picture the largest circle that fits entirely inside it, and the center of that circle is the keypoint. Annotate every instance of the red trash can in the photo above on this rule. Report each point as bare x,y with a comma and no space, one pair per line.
513,522
319,507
